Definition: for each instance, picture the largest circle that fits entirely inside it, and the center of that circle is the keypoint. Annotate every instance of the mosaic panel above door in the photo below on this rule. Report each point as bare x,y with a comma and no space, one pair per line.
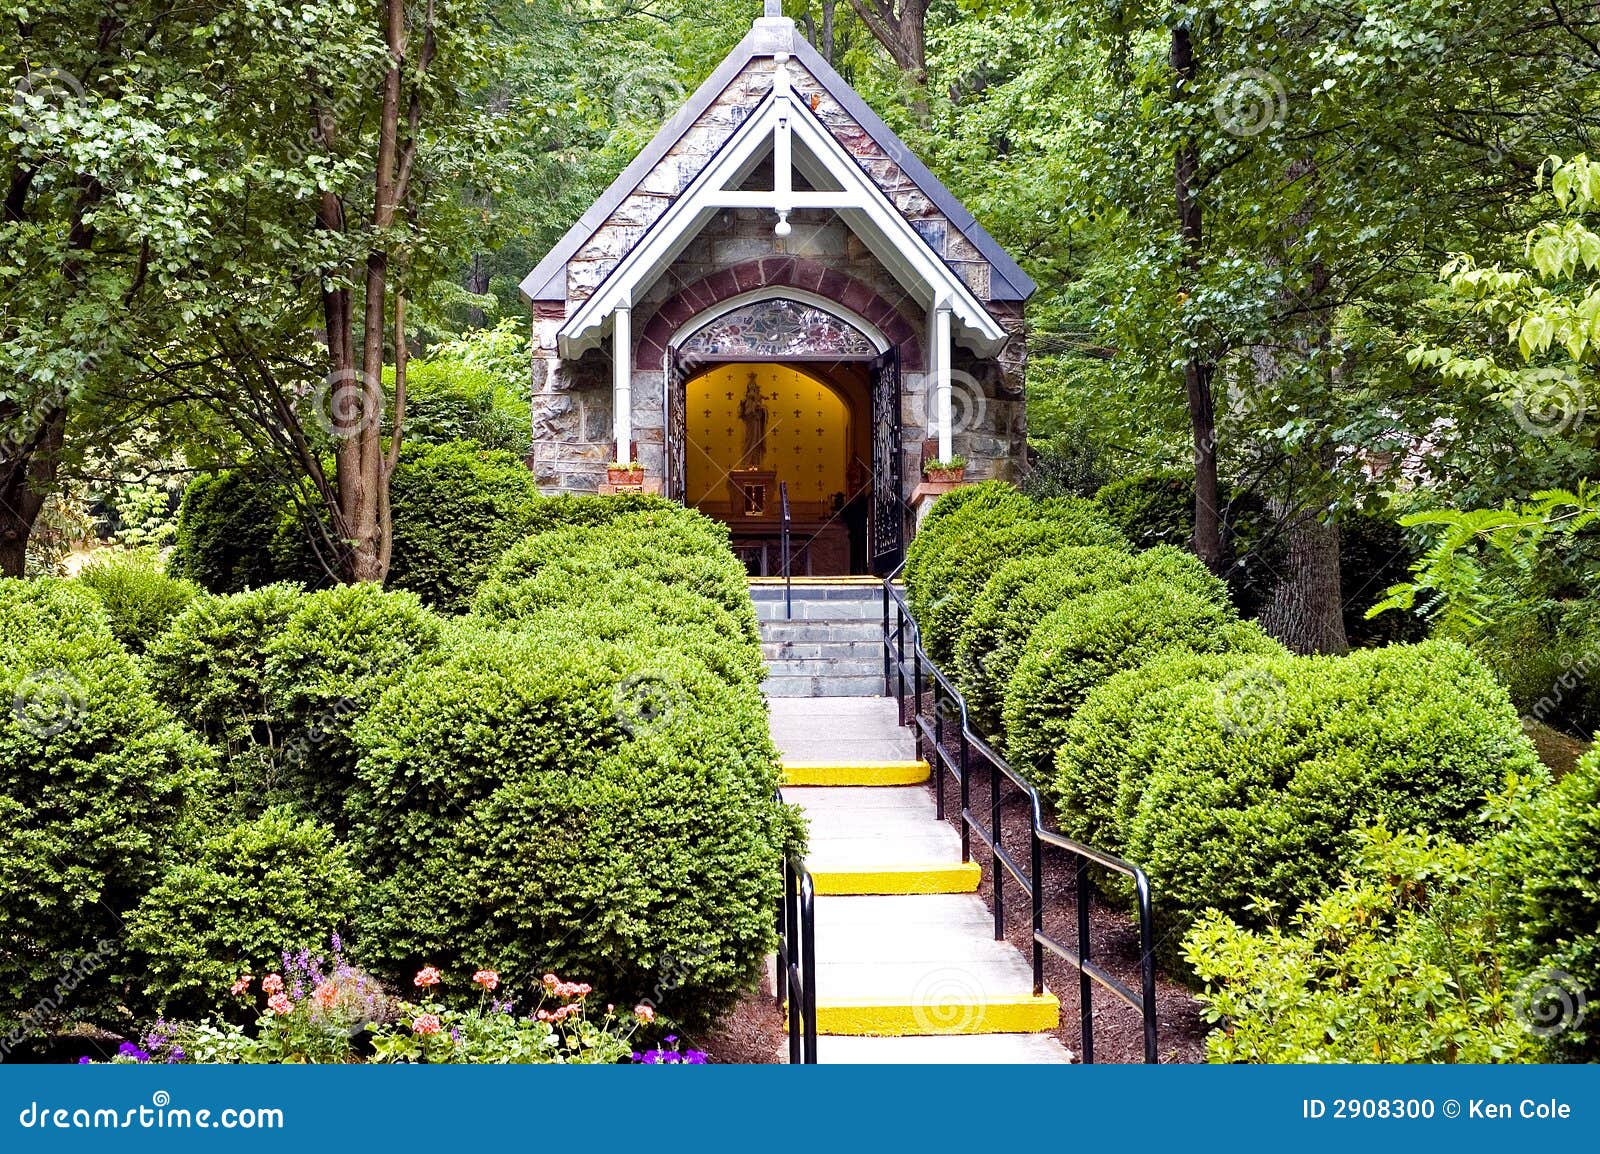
774,329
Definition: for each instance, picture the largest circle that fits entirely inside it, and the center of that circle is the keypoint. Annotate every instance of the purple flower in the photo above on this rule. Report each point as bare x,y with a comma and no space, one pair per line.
129,1050
85,1060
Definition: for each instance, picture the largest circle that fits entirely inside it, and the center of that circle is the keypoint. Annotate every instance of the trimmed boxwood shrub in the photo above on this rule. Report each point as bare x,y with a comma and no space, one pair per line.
554,802
1548,861
238,529
275,679
1247,819
1151,508
988,494
1089,639
139,597
571,509
1115,739
96,777
953,565
245,894
456,507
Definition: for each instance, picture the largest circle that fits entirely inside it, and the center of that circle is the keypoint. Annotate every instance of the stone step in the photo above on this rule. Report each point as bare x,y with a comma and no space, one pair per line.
815,590
821,610
822,632
804,686
828,667
783,649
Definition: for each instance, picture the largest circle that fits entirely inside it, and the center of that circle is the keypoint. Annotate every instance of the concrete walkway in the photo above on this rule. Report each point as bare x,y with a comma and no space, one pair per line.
907,966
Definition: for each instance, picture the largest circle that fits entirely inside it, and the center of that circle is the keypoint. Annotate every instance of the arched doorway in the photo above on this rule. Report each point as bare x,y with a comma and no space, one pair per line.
789,390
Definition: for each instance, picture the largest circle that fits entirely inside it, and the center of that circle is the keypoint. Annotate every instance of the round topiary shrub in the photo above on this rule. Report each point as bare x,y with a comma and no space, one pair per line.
139,597
1151,508
96,777
457,507
239,529
1115,739
1088,640
558,803
1547,862
244,894
975,540
1253,798
573,509
275,679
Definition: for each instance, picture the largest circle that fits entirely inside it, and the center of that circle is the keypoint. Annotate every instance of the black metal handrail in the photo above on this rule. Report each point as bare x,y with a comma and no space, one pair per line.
788,581
796,980
948,699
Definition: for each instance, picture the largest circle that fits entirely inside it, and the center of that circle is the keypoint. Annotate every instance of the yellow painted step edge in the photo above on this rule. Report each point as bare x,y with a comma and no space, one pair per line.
942,878
852,773
1022,1014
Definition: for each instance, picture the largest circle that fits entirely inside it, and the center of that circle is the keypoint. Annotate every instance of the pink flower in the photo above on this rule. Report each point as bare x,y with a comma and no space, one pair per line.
325,995
551,980
545,1016
488,979
426,1024
279,1004
240,986
427,976
272,984
644,1012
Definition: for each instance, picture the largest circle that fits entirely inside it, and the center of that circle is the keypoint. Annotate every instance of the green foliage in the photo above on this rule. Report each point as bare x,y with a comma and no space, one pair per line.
556,802
237,530
953,557
1404,962
457,507
276,678
96,778
1251,795
1115,739
473,389
1547,858
1547,654
241,895
1089,639
1151,508
139,597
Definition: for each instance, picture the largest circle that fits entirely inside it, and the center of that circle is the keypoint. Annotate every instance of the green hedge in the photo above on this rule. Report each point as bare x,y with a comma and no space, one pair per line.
456,508
1254,798
950,562
559,803
238,529
244,895
1548,861
449,401
96,778
1118,736
139,597
276,678
1089,639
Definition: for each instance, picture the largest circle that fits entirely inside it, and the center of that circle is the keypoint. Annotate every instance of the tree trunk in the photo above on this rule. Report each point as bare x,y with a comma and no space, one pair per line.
27,475
1198,371
902,30
1306,608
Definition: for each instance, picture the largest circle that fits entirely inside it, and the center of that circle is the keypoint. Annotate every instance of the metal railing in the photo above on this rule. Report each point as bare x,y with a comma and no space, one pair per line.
788,580
903,651
796,981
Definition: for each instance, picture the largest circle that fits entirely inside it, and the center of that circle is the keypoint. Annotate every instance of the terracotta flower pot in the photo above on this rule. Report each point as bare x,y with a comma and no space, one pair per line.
944,476
624,475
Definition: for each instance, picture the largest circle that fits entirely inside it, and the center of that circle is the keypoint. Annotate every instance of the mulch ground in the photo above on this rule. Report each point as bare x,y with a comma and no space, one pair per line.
753,1034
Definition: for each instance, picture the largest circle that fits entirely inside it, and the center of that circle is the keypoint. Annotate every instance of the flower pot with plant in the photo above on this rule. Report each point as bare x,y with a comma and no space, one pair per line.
948,472
631,473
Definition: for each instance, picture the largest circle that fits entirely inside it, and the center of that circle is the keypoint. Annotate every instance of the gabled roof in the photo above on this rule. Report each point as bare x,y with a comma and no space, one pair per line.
768,37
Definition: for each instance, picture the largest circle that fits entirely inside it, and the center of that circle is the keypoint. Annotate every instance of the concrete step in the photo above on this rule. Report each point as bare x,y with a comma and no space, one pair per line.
863,728
801,632
819,589
948,1049
785,649
866,774
806,686
821,610
828,667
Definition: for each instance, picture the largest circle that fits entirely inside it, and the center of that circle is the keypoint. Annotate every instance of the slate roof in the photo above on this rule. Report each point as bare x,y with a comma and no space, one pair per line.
548,281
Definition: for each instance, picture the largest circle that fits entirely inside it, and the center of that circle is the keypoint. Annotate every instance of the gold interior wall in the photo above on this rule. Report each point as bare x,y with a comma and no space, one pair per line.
808,432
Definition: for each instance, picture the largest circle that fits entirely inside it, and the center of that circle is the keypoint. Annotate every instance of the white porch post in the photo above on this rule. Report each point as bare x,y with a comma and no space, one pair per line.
622,383
944,418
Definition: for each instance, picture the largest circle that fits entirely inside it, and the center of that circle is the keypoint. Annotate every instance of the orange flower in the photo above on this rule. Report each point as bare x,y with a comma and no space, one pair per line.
427,976
326,994
488,979
272,984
